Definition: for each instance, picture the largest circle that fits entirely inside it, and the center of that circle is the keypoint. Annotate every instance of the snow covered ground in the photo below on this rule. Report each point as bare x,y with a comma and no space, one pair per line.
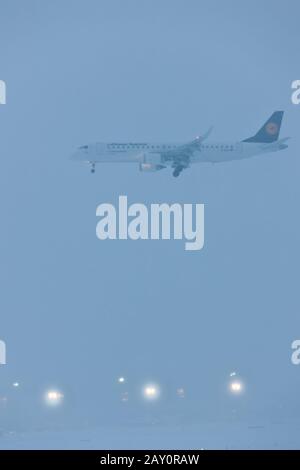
208,436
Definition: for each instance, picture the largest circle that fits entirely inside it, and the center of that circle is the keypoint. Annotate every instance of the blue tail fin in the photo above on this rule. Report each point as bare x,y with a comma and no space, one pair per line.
269,131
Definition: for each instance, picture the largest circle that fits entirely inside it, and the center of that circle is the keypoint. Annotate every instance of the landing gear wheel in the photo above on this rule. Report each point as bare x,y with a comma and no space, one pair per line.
177,171
93,168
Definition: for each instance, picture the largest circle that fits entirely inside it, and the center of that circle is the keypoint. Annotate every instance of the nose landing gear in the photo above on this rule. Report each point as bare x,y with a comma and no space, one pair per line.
93,167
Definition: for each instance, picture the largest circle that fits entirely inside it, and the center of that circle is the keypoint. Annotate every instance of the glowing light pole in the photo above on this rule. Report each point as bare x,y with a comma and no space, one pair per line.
54,397
151,392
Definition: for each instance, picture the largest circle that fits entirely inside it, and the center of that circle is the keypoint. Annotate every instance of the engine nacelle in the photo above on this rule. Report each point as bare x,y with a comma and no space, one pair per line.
151,162
150,167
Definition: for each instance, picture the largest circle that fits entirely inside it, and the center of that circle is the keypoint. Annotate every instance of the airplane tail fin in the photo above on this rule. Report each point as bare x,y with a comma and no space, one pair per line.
269,132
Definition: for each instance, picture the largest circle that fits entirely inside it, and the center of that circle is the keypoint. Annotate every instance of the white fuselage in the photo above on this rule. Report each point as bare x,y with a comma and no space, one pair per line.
136,152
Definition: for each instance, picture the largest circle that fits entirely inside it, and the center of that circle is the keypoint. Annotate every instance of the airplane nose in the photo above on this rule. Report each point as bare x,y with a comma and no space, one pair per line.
80,154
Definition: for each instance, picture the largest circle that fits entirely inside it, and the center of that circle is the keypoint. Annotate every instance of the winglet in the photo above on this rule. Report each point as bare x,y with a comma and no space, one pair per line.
203,137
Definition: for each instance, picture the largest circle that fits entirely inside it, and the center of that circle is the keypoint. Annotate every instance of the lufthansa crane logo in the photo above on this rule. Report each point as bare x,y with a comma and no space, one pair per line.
272,128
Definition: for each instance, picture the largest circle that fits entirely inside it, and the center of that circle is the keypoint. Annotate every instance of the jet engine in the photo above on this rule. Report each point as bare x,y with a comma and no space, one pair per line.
151,162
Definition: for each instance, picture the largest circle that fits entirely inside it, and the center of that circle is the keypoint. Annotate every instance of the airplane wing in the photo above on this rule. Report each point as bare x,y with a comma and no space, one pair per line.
180,157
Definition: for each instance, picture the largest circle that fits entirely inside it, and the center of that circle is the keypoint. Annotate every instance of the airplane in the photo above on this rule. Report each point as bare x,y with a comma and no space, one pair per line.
179,156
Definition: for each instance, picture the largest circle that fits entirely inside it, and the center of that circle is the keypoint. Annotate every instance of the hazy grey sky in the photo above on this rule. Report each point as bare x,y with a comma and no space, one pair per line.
78,312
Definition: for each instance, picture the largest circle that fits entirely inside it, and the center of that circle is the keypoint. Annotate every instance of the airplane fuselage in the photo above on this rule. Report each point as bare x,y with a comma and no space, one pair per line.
136,152
158,155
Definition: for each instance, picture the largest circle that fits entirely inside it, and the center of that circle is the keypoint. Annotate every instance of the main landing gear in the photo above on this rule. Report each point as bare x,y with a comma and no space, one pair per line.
93,167
177,170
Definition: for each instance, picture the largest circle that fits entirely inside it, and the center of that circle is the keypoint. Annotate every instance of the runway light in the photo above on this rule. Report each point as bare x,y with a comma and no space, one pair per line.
54,397
151,392
236,387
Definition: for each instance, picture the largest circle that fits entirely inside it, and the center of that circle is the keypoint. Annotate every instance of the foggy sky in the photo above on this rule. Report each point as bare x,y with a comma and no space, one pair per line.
78,312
